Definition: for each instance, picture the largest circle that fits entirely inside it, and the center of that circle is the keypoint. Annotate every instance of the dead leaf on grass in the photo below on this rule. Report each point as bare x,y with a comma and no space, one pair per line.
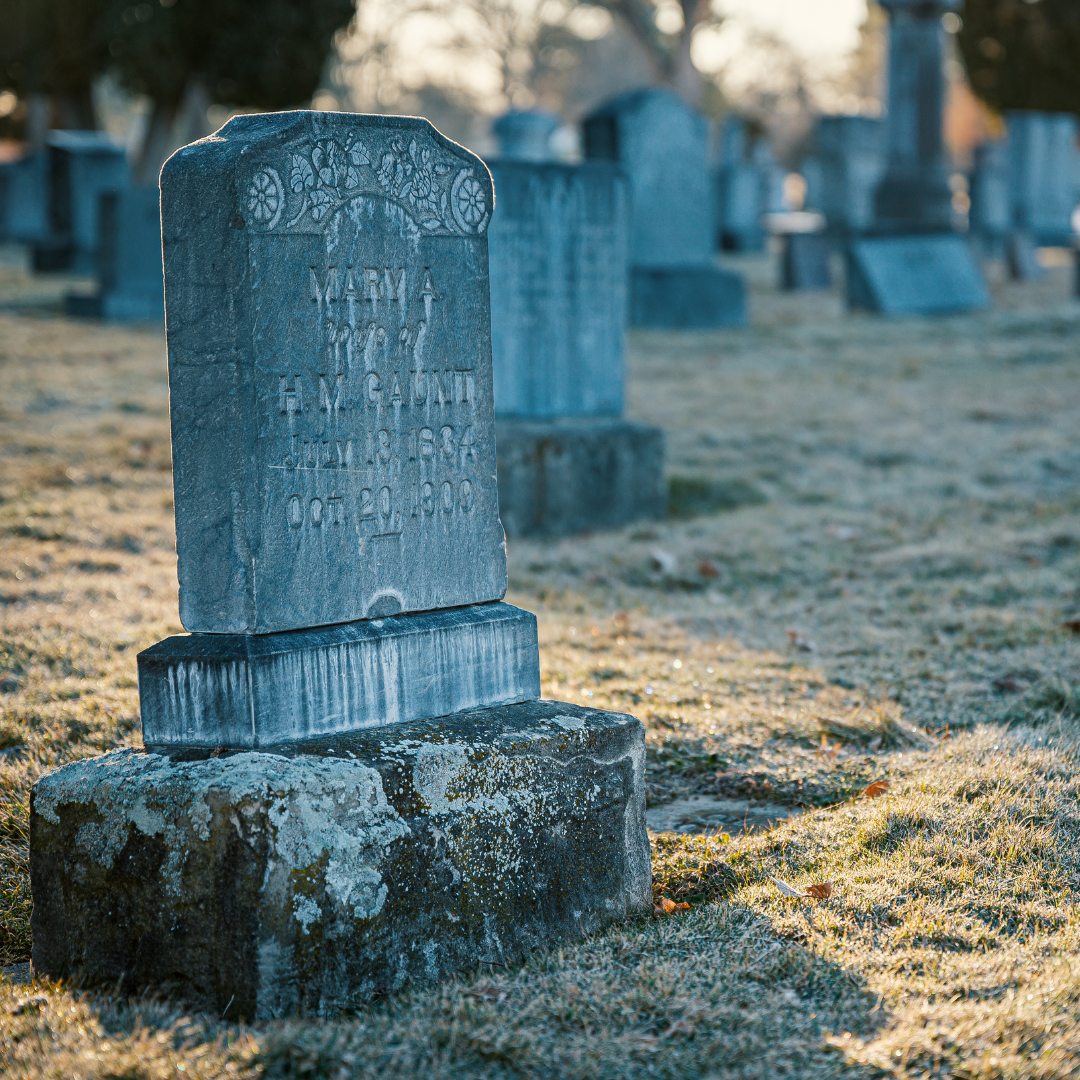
1071,624
878,787
820,892
1011,683
706,568
800,640
826,750
664,906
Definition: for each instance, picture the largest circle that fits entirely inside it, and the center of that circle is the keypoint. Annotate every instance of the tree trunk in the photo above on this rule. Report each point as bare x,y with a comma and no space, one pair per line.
156,143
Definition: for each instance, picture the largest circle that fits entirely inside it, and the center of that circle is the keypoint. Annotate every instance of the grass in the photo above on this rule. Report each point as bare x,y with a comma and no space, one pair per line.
912,539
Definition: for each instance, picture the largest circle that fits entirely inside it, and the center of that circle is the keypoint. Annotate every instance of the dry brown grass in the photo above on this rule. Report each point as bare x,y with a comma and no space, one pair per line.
905,496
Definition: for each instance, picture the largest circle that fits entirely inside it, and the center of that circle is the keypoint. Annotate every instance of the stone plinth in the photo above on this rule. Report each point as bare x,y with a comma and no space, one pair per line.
312,877
558,256
686,298
914,275
560,477
326,281
256,690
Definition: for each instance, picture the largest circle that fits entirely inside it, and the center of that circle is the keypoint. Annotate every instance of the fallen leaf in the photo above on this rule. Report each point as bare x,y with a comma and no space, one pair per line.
800,640
707,569
827,751
820,892
878,787
785,888
664,906
1071,624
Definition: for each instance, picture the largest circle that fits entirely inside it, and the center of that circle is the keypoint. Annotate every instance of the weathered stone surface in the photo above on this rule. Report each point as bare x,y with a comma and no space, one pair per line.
82,165
560,477
313,876
911,275
663,146
558,244
256,690
330,372
687,297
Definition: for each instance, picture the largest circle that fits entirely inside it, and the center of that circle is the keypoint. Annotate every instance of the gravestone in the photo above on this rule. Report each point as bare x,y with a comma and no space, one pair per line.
82,165
662,145
1044,174
1022,257
525,135
850,159
806,261
23,206
558,245
348,783
923,266
129,275
990,217
739,191
912,275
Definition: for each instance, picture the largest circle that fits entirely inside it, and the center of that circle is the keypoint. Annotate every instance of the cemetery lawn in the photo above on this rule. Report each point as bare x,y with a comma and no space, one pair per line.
871,573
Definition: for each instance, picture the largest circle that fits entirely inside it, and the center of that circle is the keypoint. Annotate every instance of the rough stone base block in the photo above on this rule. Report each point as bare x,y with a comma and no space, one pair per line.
578,474
686,298
914,275
312,876
259,689
805,264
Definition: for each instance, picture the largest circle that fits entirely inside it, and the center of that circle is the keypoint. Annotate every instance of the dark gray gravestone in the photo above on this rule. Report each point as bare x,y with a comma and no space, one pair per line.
129,276
525,135
326,280
907,275
923,266
23,207
1044,174
738,191
851,156
82,165
1022,257
328,318
914,195
806,262
662,144
990,217
558,245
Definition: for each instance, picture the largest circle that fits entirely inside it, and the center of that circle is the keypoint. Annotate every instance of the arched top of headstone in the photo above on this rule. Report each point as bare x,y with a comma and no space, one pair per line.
525,135
293,177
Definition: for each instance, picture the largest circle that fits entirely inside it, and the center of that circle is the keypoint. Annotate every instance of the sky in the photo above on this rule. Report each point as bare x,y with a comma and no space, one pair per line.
818,29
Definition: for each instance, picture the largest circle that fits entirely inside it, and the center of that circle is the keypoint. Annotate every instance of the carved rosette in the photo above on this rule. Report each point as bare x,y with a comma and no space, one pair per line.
441,193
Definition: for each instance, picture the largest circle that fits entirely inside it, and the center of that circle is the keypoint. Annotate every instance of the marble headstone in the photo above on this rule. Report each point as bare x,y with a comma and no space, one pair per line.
558,254
850,155
906,275
1044,174
662,144
82,165
329,336
525,135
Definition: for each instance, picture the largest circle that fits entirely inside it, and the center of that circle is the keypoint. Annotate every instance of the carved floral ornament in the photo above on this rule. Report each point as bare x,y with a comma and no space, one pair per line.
443,196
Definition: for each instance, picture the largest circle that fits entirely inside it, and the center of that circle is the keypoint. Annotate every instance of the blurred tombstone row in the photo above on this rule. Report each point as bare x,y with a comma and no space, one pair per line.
73,204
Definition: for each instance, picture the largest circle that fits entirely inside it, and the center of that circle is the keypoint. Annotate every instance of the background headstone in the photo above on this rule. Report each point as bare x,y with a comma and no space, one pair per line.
990,217
914,195
525,135
559,273
1044,174
23,204
82,165
662,144
806,261
739,191
850,153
